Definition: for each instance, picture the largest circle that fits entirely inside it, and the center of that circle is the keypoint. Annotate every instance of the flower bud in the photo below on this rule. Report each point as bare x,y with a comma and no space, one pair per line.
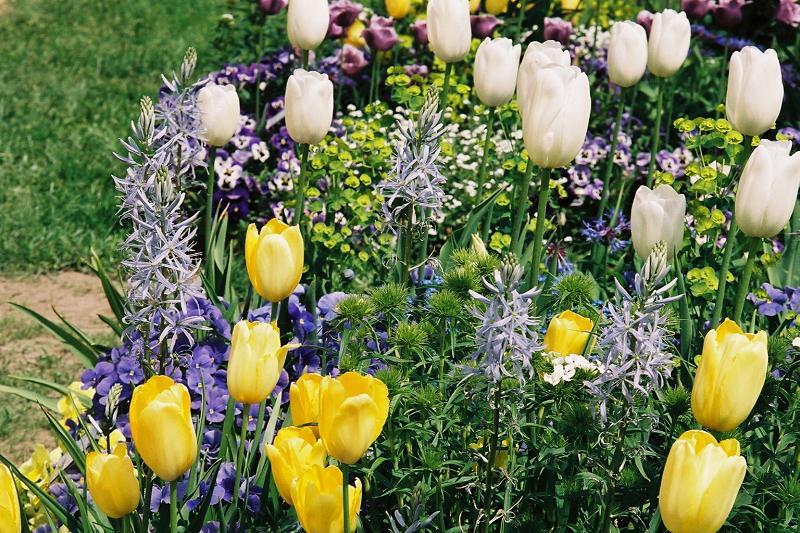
537,55
10,520
449,30
380,34
755,90
294,451
271,7
483,26
112,481
767,189
496,7
307,23
478,246
419,29
308,106
657,215
398,9
495,73
728,13
557,29
219,111
304,400
318,500
274,259
627,53
645,20
568,333
788,13
696,9
352,60
669,43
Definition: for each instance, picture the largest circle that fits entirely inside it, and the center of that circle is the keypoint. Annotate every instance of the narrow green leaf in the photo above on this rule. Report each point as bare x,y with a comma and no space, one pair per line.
84,352
31,396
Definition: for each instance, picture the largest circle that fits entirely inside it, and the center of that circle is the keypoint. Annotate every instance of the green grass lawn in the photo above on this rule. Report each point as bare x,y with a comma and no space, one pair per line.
72,73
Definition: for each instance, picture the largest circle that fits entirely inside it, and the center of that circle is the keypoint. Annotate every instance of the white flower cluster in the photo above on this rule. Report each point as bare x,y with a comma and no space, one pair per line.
564,368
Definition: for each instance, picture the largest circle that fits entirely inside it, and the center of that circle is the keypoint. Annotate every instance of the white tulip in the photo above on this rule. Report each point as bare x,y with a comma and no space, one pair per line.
768,189
307,23
495,73
308,106
449,29
755,90
657,215
219,112
556,118
669,43
537,55
627,53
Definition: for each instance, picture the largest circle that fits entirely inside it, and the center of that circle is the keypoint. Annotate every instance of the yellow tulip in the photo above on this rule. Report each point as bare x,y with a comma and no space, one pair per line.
352,411
256,361
570,5
567,333
293,452
112,481
304,400
474,6
10,521
274,259
161,426
496,7
730,376
317,497
398,9
700,482
353,36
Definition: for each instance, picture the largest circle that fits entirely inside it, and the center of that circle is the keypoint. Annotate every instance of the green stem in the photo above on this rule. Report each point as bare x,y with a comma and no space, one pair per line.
610,159
541,213
209,206
446,87
485,157
521,199
656,131
683,309
148,492
405,260
240,452
754,246
520,19
173,506
346,497
301,186
274,311
615,464
487,490
730,244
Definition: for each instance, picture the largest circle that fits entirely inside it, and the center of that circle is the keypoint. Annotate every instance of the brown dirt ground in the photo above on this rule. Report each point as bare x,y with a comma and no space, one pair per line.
28,349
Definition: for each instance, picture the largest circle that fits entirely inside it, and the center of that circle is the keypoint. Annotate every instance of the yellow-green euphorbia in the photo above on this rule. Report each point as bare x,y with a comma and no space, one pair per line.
161,426
10,521
256,361
352,411
700,482
317,497
567,333
294,450
730,376
274,259
112,481
304,401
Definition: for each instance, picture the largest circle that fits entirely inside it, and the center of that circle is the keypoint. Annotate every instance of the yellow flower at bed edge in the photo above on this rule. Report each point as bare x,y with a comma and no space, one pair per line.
71,406
112,481
317,497
568,333
294,450
10,520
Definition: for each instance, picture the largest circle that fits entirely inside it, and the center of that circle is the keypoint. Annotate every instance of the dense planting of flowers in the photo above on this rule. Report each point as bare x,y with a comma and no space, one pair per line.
447,266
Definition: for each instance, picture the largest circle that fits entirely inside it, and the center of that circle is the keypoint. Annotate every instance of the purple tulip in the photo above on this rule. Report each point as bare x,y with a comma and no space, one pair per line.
728,13
343,14
645,19
696,9
483,25
380,34
788,12
420,31
271,7
353,60
557,29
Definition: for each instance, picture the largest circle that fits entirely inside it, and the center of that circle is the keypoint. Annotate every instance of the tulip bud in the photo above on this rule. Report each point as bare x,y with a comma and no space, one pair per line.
354,36
308,106
398,9
645,20
570,5
730,376
307,23
112,481
294,451
419,30
495,72
449,31
627,53
219,111
318,501
556,118
557,29
304,400
380,34
537,55
657,215
478,246
10,520
352,411
755,90
696,9
274,259
271,7
483,26
161,426
256,361
352,60
767,189
496,7
669,43
568,333
728,13
700,482
474,6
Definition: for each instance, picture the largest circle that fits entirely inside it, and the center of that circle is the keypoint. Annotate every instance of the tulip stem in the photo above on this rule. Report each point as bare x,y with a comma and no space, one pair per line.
301,186
730,244
541,212
346,497
521,199
209,208
683,309
610,158
485,157
656,131
487,489
520,19
173,506
448,69
240,451
754,246
405,260
616,461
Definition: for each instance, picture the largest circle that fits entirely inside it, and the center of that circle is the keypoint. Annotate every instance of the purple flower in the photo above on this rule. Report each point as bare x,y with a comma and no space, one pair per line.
353,60
668,162
326,306
728,13
271,7
557,29
416,70
788,12
483,26
696,9
130,371
645,19
774,302
380,34
420,31
792,133
343,13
